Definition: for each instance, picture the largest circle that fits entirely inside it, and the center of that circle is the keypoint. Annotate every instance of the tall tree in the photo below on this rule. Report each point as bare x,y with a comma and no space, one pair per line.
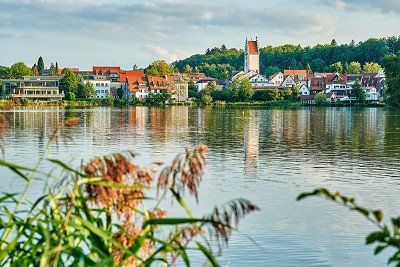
371,67
333,43
358,93
40,65
159,68
354,68
19,69
57,68
5,72
69,83
35,69
391,64
337,67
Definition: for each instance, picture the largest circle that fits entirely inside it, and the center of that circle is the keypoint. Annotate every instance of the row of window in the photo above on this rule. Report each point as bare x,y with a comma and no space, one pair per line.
101,84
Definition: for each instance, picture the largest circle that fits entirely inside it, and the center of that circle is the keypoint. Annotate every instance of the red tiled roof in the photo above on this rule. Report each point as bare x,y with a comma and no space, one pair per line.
157,82
136,82
295,74
252,47
106,70
130,73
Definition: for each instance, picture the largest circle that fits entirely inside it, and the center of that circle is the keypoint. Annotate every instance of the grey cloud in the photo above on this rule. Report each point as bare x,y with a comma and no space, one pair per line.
383,6
159,19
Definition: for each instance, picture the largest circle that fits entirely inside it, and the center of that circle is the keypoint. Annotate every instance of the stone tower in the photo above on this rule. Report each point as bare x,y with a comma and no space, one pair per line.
251,56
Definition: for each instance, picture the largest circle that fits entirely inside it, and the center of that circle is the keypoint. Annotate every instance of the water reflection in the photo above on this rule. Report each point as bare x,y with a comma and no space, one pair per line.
268,156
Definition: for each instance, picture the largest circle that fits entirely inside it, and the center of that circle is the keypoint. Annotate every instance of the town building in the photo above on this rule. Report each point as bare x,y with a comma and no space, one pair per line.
157,84
111,72
259,81
251,56
101,85
33,88
179,87
300,77
276,78
201,84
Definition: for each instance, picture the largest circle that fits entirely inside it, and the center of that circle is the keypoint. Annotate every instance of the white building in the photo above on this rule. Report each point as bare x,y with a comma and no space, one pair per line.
259,82
101,84
251,56
201,84
277,78
304,90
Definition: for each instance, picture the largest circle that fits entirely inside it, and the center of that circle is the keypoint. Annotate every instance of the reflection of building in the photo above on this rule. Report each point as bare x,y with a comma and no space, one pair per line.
251,143
34,87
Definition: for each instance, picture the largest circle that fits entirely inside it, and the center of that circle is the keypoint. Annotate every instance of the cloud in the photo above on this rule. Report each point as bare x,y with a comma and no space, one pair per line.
154,19
162,53
382,6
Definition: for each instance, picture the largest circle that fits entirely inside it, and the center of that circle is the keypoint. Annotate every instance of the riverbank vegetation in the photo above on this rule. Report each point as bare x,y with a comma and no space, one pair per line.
219,62
109,212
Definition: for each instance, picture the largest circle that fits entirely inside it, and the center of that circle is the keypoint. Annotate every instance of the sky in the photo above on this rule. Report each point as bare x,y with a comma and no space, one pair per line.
123,32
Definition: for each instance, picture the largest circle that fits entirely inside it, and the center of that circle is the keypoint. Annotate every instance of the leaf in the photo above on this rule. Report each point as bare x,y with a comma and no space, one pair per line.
208,254
182,203
361,210
66,167
376,236
379,249
378,215
172,221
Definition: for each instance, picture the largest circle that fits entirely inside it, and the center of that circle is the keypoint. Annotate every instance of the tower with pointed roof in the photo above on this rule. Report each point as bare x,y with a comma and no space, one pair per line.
251,56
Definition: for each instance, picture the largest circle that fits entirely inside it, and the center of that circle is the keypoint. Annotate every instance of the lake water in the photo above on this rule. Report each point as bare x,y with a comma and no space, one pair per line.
267,156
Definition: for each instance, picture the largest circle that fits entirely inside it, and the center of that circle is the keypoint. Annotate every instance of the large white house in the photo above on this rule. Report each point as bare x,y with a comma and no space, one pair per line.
101,84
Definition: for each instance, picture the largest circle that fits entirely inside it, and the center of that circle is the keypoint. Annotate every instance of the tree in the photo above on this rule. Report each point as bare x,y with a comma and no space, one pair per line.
206,99
239,90
85,90
188,69
135,67
353,68
271,70
19,69
56,68
319,98
120,92
192,89
266,95
159,68
333,43
70,96
337,67
358,93
286,94
70,82
5,72
53,70
309,69
371,67
35,69
40,65
296,95
392,70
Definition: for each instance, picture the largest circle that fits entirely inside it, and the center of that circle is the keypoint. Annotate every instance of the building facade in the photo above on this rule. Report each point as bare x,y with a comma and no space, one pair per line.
251,56
101,85
33,88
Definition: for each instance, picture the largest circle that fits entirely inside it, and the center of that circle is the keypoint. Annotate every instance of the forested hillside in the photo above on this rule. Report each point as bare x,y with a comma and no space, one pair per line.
219,62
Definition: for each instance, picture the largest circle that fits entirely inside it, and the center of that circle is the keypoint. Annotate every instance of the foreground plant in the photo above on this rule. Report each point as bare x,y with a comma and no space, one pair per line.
100,215
386,236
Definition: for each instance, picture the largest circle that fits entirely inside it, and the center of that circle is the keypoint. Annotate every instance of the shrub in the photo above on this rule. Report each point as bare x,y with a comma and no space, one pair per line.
320,98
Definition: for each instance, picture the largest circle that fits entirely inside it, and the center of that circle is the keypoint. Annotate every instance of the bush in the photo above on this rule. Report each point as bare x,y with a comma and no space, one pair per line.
70,96
320,98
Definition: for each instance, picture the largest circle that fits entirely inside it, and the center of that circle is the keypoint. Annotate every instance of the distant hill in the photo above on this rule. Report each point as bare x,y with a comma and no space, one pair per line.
220,62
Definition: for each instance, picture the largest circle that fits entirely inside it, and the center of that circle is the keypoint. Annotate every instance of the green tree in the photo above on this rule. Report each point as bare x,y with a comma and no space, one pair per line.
308,68
40,65
358,93
333,43
271,70
35,69
135,67
206,99
19,69
53,70
188,69
70,82
337,67
392,72
70,96
192,91
85,90
353,68
266,95
319,98
159,68
5,72
56,68
296,95
120,92
371,67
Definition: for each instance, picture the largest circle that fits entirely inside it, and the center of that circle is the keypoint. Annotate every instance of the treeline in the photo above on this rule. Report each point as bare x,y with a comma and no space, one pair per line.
220,62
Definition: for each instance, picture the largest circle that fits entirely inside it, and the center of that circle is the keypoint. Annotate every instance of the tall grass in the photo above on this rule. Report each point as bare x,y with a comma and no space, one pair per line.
101,214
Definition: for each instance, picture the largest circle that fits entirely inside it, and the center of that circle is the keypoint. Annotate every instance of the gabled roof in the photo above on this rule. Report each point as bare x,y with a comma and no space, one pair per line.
295,73
106,70
274,75
130,73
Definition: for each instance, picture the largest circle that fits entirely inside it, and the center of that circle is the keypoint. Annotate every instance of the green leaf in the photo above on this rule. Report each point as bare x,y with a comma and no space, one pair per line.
172,221
212,260
379,249
361,210
182,203
376,236
66,167
378,215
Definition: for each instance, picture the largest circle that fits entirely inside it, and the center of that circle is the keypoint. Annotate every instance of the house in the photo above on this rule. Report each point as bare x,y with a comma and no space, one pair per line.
33,88
300,77
201,84
309,99
304,90
260,82
157,84
327,82
195,76
276,78
111,72
251,56
101,85
134,83
179,87
288,82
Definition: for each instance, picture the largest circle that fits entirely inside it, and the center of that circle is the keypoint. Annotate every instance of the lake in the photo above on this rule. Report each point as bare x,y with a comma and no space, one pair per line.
267,156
